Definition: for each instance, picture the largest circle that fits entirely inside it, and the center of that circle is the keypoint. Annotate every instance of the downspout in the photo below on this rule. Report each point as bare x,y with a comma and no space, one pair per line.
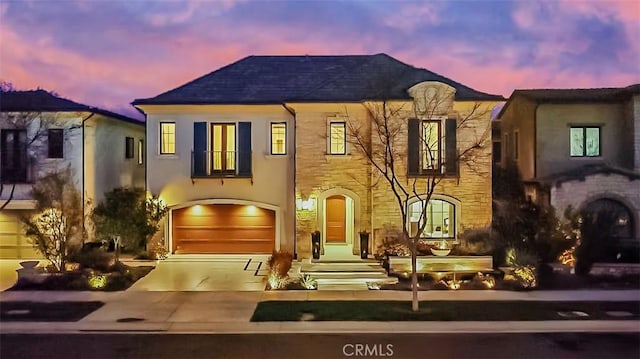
83,170
295,217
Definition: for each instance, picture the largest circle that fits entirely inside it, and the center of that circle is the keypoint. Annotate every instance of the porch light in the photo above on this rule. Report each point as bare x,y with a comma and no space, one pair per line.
197,209
307,205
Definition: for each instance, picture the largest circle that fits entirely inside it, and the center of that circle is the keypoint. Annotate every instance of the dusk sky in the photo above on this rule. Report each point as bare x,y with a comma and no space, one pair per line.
107,53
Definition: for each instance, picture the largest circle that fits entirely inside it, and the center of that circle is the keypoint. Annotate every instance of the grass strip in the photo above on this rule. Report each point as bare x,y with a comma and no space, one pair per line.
441,311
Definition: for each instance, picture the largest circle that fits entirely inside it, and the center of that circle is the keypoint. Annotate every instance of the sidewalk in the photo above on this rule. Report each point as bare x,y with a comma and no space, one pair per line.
230,312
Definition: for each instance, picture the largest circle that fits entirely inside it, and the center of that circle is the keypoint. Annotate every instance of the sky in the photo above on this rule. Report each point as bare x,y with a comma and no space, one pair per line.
107,53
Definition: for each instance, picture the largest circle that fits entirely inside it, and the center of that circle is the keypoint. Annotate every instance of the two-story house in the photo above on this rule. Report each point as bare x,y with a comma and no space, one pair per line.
578,147
256,155
40,133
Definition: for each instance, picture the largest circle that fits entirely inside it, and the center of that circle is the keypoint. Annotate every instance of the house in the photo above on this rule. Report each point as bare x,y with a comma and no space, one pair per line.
255,157
40,133
579,148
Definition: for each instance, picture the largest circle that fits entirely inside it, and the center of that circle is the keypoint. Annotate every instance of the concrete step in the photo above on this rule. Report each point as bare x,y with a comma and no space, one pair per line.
346,275
342,267
347,286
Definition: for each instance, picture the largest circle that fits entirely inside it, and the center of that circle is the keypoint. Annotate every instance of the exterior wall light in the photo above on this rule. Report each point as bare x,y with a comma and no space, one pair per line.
306,205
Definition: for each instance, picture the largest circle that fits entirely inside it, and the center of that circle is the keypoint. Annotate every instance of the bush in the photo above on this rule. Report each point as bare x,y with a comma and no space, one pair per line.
279,265
475,242
95,258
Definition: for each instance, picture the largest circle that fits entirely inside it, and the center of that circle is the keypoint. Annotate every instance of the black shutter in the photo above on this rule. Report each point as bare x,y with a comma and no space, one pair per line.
244,149
199,157
451,150
413,147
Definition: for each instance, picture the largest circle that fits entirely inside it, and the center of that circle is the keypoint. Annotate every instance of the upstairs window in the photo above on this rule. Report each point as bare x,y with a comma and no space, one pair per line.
585,141
128,147
13,156
278,138
337,138
516,145
55,143
224,147
167,138
140,152
431,145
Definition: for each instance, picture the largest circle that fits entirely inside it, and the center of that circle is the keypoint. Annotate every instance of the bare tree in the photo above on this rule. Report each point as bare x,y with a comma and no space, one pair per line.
395,128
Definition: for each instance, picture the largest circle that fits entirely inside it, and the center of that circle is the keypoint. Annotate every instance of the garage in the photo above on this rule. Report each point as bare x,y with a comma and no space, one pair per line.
13,242
223,228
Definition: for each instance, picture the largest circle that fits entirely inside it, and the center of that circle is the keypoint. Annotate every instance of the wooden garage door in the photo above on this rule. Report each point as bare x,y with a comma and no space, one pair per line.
223,228
13,242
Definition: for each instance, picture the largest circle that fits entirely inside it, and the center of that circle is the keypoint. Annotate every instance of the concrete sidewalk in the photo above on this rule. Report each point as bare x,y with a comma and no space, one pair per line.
231,311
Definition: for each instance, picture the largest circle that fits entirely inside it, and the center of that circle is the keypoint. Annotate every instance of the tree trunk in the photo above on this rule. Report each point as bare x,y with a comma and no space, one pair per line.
415,306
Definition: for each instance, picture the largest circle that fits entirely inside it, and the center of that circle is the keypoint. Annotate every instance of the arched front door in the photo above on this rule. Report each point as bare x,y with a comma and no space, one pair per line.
336,219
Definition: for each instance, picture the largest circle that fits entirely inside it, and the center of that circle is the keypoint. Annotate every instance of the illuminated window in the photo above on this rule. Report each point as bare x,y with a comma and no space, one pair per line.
278,138
440,219
224,147
431,145
337,138
167,138
140,152
585,141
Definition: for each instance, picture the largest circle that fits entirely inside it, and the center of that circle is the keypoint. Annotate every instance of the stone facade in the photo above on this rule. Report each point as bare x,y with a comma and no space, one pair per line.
580,193
319,175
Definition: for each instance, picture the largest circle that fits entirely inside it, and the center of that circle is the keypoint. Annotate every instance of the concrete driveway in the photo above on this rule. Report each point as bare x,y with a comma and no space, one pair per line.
206,273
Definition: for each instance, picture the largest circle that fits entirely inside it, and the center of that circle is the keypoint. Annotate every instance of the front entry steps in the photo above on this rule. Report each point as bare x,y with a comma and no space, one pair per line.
345,275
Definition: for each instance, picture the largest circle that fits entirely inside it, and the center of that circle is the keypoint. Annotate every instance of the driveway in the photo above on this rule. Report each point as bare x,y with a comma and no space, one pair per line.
206,273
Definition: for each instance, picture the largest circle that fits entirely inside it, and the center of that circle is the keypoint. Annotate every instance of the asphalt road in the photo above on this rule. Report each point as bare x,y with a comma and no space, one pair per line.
175,346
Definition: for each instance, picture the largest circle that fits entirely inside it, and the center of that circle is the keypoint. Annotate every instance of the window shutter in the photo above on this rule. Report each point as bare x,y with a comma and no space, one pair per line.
244,149
199,164
413,147
451,150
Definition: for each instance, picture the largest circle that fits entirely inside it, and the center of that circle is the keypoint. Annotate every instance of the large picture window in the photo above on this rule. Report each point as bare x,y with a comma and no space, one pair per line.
440,217
585,141
278,138
167,138
337,138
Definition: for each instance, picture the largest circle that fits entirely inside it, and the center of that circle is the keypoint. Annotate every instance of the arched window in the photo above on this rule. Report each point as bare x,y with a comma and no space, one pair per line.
440,216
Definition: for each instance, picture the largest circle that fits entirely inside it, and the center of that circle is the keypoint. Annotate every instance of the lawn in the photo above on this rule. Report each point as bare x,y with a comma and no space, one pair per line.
441,311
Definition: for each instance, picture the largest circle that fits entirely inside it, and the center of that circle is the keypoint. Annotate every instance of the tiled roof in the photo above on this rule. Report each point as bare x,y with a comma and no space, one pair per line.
278,79
582,172
43,101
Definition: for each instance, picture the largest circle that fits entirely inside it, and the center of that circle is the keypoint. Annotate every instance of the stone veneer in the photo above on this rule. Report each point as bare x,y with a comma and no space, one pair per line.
579,193
317,172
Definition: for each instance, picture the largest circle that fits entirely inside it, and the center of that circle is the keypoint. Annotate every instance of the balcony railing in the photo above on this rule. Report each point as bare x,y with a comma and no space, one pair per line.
215,164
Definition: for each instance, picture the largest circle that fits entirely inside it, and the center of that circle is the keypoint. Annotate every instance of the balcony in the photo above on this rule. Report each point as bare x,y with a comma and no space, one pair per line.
221,164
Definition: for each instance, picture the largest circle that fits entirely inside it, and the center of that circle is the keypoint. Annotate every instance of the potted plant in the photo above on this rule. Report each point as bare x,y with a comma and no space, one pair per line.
441,249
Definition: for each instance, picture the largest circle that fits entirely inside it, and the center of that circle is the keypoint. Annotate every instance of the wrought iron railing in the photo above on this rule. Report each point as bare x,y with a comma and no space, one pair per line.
220,164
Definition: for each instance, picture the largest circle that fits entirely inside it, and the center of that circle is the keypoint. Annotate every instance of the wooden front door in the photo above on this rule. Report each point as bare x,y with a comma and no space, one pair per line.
336,219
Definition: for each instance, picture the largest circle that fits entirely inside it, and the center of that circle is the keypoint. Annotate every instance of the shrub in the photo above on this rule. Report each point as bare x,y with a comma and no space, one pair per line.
279,265
95,258
475,242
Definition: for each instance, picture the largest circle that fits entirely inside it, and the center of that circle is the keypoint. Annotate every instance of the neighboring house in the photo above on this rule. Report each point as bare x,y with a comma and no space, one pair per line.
578,147
255,157
40,133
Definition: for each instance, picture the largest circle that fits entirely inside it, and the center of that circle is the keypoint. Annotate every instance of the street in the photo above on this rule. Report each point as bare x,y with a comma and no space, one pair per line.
155,345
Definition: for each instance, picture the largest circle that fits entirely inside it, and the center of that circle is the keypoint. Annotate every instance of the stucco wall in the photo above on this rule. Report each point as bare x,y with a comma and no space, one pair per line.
580,193
169,176
520,117
553,123
635,110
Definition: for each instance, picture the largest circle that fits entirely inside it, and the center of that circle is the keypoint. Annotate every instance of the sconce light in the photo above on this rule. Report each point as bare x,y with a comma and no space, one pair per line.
306,205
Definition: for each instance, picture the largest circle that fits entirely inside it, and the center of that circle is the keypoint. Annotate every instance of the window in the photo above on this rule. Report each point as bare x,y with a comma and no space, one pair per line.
167,138
223,140
140,152
55,140
337,138
516,145
128,147
585,141
431,145
440,217
278,138
13,156
497,152
429,151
